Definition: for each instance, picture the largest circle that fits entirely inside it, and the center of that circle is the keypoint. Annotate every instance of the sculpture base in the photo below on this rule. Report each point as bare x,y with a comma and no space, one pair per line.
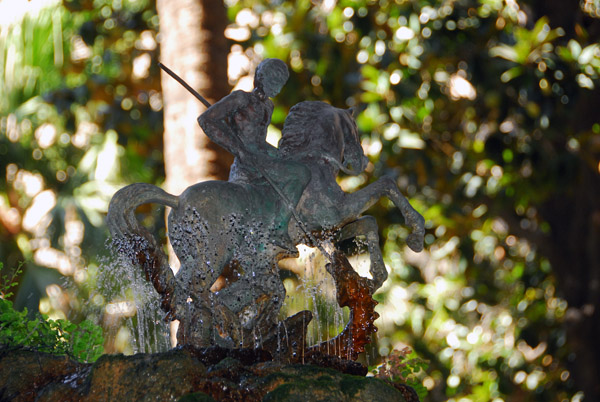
188,374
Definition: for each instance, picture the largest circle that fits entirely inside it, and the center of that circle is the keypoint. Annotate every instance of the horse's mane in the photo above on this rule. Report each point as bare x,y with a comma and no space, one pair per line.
314,126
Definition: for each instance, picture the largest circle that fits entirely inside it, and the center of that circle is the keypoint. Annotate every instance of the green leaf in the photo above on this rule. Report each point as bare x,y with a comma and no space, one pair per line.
587,54
511,73
504,51
541,30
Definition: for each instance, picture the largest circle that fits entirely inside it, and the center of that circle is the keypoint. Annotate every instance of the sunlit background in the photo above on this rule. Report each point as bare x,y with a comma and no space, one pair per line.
483,111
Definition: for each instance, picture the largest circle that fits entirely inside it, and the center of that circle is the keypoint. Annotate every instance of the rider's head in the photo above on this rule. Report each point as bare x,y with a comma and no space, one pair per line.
270,76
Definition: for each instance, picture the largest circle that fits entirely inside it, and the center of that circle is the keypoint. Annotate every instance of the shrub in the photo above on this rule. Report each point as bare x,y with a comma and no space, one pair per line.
82,341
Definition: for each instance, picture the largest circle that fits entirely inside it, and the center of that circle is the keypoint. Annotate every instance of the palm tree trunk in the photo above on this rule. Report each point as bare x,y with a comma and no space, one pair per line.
194,46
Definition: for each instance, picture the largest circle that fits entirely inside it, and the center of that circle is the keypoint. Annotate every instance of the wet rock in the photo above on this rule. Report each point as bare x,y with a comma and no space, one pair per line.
186,375
23,372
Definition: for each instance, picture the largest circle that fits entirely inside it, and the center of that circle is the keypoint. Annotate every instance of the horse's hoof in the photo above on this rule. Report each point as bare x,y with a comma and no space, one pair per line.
415,242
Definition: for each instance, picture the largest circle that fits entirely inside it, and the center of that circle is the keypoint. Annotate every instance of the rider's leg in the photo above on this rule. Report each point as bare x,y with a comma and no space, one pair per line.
291,179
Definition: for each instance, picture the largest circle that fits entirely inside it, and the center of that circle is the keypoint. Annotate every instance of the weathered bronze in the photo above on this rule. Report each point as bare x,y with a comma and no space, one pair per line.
275,199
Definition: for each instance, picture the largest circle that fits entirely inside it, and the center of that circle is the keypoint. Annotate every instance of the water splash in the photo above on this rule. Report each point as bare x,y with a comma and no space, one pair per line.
132,303
315,289
242,312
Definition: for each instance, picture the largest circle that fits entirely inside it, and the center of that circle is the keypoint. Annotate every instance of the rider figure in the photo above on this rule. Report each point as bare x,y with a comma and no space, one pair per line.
239,123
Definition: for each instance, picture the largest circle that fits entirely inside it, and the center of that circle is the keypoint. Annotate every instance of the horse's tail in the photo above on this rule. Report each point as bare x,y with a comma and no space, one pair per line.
135,242
121,218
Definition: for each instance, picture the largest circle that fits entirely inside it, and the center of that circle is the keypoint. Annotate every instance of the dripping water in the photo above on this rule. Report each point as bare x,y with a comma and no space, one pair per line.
128,307
134,301
312,288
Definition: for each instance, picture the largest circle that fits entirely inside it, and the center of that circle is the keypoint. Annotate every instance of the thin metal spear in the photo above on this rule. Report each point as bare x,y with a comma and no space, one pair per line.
185,84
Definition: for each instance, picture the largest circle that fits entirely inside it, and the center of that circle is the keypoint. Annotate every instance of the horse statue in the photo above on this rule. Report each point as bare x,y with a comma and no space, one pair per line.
275,199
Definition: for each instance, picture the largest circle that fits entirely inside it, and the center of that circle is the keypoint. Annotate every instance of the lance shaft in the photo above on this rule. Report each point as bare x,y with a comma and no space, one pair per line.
185,84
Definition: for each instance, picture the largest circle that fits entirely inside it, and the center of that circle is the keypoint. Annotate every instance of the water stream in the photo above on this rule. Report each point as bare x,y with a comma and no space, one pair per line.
135,321
131,314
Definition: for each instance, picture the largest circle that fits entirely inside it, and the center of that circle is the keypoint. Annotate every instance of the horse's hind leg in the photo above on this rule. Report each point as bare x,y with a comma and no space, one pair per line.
201,247
367,226
198,309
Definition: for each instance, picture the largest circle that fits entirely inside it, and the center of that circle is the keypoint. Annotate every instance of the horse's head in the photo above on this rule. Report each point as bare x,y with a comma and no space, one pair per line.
354,159
317,129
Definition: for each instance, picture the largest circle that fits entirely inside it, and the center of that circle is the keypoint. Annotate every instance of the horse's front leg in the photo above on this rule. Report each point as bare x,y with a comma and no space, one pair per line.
358,202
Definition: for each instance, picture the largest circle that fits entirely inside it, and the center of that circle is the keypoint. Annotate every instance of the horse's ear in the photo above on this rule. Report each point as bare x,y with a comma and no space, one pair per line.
354,111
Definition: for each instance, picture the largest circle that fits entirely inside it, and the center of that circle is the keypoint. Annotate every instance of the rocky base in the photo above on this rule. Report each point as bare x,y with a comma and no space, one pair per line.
188,375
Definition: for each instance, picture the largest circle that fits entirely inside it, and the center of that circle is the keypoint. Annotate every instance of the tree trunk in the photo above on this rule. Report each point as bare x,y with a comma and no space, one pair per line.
194,46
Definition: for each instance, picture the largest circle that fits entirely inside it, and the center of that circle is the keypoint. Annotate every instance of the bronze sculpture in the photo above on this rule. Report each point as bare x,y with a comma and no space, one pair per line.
275,199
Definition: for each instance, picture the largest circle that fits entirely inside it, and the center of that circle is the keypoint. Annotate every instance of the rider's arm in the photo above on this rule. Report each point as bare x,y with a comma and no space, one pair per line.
218,121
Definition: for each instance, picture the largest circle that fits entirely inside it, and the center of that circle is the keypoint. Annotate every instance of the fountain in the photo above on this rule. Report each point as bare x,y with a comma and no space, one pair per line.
275,199
229,238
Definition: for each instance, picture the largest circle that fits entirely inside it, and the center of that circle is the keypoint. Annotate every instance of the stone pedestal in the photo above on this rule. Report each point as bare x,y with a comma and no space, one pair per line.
209,374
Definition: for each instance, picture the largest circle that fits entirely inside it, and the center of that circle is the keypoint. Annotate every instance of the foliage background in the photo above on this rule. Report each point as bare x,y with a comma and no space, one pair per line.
485,111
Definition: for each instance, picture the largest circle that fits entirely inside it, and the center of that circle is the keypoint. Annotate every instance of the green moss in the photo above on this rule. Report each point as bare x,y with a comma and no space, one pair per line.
306,390
312,383
351,385
281,393
196,397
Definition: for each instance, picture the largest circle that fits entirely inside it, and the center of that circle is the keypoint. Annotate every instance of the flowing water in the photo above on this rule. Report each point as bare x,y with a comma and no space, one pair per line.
312,288
132,312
